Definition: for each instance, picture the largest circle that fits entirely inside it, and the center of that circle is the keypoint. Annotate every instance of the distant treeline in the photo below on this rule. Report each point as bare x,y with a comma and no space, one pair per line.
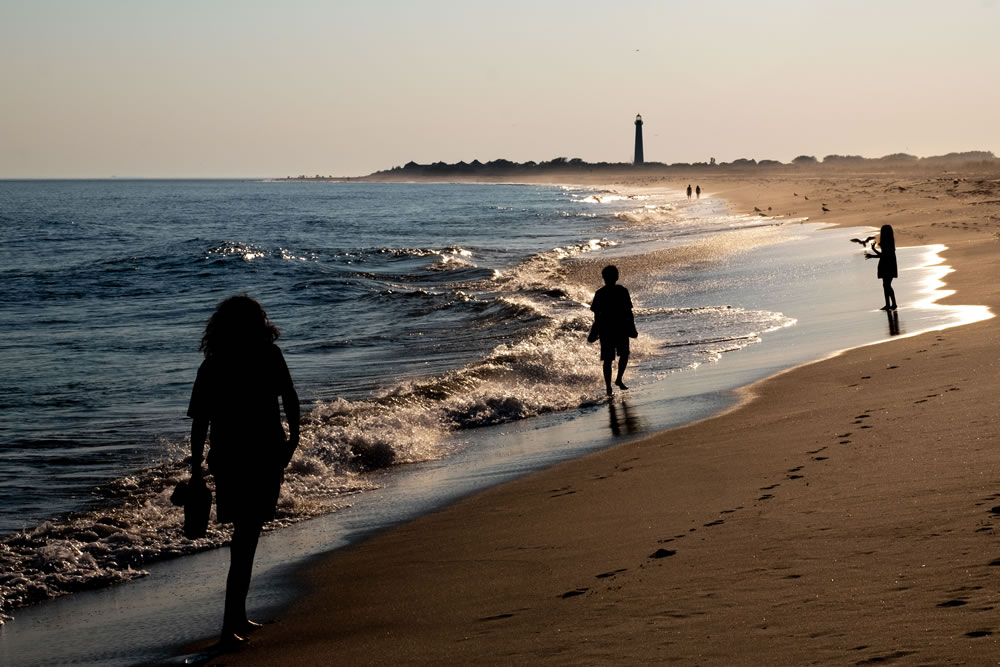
563,164
508,168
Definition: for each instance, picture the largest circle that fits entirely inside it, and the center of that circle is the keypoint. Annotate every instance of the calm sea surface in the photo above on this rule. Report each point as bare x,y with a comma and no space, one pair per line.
410,314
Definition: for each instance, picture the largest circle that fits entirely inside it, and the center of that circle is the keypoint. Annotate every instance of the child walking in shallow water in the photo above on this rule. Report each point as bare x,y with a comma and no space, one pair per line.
236,394
613,325
887,269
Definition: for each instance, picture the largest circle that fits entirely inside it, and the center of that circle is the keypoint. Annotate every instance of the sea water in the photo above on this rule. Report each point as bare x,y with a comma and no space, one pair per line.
411,316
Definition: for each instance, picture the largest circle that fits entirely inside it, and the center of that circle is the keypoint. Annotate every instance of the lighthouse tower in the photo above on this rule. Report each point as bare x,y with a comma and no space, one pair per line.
638,139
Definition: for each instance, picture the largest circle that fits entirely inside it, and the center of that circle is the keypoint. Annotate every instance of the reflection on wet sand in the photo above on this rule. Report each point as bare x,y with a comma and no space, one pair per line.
893,316
627,422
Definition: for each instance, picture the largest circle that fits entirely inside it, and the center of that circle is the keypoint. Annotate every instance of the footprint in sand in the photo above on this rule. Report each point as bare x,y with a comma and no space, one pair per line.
605,575
953,603
495,618
662,553
717,522
978,633
574,593
884,658
988,499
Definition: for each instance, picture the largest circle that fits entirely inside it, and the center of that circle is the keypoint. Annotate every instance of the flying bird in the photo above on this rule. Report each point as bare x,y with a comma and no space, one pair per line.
864,242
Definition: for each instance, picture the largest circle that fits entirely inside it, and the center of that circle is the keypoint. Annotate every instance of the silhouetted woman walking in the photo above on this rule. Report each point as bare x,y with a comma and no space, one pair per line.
236,394
887,269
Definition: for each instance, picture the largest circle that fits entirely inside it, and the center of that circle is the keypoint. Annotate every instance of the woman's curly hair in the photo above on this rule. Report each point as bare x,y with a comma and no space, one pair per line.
238,324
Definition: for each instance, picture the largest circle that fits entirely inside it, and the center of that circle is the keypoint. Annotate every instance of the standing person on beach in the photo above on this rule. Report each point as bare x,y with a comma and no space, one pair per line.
613,324
689,191
236,393
887,269
697,191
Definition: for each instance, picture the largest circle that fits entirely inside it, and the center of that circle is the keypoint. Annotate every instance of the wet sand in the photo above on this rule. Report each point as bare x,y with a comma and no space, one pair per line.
842,514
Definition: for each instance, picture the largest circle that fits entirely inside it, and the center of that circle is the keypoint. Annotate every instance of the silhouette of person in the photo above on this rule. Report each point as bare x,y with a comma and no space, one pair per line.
236,394
614,324
887,269
697,191
689,191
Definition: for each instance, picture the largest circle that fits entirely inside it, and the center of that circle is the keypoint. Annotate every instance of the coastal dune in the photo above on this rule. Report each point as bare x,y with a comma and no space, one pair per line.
844,513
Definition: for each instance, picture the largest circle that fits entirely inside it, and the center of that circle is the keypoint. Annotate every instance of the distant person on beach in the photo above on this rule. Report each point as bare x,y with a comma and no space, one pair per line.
236,394
697,191
613,325
887,270
689,191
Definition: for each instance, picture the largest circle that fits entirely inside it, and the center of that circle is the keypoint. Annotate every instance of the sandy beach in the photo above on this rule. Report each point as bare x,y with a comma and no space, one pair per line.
842,514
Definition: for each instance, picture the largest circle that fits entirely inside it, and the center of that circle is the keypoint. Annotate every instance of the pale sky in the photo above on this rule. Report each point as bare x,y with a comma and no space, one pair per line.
247,88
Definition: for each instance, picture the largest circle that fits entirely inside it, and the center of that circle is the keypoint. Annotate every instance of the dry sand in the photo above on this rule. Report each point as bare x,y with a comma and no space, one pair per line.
842,515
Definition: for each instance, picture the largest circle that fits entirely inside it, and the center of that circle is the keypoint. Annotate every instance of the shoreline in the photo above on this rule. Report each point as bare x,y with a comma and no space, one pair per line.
552,568
77,625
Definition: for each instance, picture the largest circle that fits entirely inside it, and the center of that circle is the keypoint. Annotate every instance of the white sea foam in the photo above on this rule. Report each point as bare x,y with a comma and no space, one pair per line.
646,215
101,547
609,197
249,252
451,262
